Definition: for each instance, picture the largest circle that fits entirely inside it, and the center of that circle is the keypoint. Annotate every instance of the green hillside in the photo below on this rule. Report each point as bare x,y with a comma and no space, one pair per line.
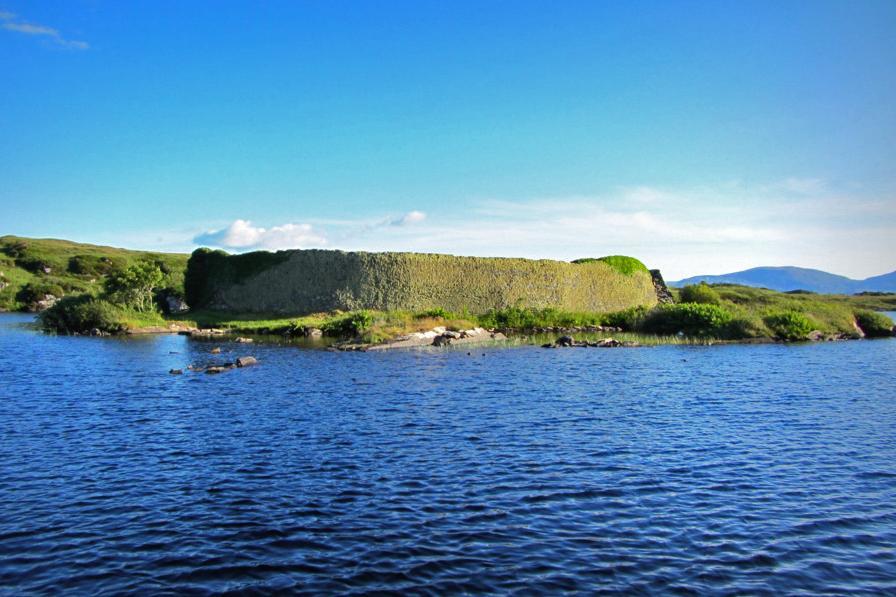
32,269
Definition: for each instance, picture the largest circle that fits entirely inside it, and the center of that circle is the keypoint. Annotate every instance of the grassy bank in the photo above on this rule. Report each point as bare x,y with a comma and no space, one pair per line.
721,313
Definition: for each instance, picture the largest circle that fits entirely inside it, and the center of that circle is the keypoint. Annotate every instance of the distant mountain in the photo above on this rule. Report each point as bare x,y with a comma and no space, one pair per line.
798,278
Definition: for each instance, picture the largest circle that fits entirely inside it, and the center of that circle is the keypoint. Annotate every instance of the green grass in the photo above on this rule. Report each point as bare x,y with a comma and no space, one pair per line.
75,268
621,263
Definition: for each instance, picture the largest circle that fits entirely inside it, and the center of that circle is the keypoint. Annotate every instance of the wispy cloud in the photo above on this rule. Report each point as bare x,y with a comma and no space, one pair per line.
10,22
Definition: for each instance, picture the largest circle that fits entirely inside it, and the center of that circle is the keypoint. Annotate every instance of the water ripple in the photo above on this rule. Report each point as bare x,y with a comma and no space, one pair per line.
685,470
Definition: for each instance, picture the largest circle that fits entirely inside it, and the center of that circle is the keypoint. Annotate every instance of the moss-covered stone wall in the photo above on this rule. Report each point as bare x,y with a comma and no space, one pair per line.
304,281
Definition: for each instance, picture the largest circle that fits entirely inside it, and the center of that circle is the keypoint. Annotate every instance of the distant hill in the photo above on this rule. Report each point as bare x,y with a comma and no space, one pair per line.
798,278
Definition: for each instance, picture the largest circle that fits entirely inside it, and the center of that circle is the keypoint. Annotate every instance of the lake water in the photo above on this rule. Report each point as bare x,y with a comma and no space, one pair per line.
726,469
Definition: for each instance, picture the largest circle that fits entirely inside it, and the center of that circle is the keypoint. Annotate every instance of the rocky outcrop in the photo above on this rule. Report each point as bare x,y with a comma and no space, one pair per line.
663,294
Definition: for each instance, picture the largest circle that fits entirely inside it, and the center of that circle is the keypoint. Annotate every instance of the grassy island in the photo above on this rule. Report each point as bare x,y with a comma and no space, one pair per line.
374,297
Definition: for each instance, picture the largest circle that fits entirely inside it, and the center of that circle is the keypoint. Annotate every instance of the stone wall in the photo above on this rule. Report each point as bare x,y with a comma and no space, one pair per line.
306,281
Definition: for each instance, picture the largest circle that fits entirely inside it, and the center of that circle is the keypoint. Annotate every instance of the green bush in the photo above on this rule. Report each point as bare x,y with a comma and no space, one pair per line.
790,325
36,291
352,324
627,319
701,293
874,325
746,326
692,319
82,313
92,265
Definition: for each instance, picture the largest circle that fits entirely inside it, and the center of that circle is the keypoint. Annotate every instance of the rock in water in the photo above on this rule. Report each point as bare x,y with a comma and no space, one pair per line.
246,361
244,340
176,371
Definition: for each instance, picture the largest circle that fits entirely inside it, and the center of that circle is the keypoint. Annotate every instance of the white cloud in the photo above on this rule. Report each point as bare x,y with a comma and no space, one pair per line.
11,23
241,234
412,217
682,231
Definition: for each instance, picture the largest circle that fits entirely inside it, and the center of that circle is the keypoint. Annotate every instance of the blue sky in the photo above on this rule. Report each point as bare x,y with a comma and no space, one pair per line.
702,137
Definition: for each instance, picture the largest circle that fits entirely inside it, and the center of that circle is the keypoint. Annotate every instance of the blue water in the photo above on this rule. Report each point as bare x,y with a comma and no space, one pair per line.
726,469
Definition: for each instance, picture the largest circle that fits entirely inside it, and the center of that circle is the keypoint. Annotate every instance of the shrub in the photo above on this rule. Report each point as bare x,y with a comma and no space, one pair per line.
83,313
790,325
701,293
874,325
36,291
92,265
692,319
627,319
352,324
746,326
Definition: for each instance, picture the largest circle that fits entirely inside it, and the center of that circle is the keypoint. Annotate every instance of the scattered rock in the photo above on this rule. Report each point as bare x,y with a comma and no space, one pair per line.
816,336
176,371
47,270
313,333
246,361
242,340
97,332
569,341
207,332
216,369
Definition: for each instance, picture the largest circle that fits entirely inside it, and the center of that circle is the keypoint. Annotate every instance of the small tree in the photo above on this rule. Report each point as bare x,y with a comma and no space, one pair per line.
134,285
